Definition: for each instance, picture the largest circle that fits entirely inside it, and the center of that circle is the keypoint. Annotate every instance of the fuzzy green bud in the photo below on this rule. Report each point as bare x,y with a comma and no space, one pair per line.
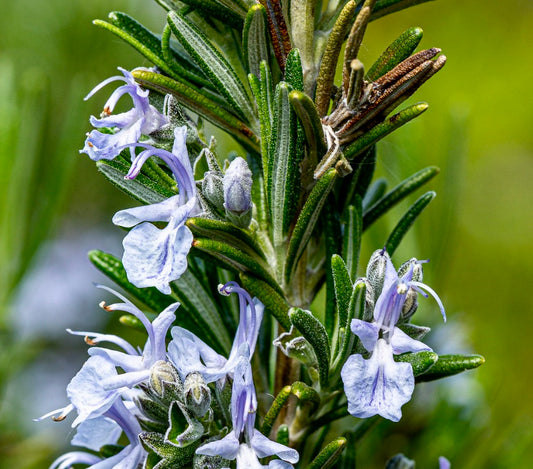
165,381
213,188
197,394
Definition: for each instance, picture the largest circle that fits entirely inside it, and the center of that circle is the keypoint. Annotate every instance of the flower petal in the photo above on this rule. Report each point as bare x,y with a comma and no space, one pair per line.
188,353
97,432
264,447
86,391
368,333
402,343
378,385
227,447
74,457
162,211
153,257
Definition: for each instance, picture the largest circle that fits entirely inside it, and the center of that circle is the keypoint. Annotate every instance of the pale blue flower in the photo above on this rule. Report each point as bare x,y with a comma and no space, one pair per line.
135,364
244,443
154,257
190,354
98,385
379,385
444,463
142,119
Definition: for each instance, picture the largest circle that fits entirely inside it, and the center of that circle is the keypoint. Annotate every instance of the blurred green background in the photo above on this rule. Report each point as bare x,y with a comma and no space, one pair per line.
477,233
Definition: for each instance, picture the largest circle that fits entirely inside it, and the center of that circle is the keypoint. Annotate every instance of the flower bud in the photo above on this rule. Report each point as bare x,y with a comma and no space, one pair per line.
295,346
418,273
197,394
238,192
213,188
164,380
375,271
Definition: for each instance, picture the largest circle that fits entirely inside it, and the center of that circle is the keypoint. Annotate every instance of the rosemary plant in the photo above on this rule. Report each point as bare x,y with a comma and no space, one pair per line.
225,255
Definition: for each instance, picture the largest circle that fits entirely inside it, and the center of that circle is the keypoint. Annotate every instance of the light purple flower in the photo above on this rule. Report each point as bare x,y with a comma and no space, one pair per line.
136,364
379,385
142,119
190,354
98,385
444,463
244,443
154,257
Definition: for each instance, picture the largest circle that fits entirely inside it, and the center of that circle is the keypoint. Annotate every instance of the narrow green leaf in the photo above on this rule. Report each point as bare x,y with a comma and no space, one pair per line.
375,192
329,455
284,171
201,103
230,13
307,220
158,51
226,232
332,246
283,436
397,194
135,34
383,129
307,396
214,65
420,361
407,221
448,365
255,39
234,259
398,51
272,414
262,91
353,231
365,174
272,298
186,73
294,74
414,331
142,188
315,333
314,134
343,288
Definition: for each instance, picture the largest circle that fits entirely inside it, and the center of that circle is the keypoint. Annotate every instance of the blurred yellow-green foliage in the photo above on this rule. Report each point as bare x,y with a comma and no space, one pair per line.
478,232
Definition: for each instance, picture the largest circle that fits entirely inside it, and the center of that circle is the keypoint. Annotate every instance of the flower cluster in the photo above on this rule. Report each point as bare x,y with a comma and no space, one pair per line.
153,257
116,391
103,397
